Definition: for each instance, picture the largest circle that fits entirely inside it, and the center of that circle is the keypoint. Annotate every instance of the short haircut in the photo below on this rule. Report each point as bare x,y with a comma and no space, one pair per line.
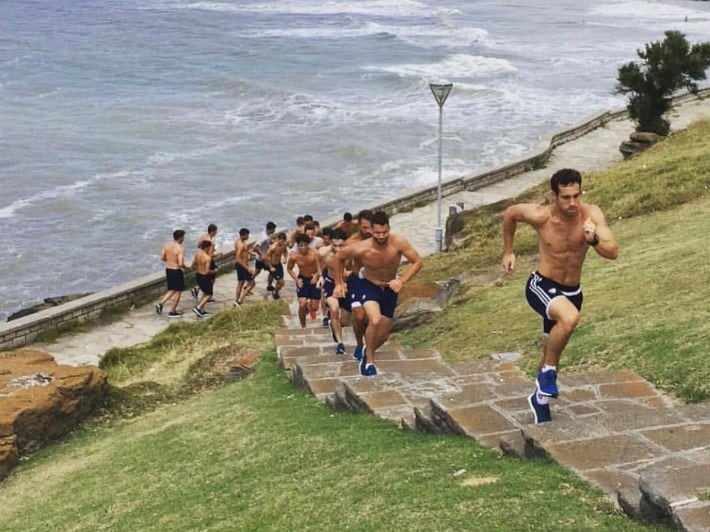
270,226
178,234
281,236
302,238
308,217
564,178
211,227
365,214
243,231
205,244
348,217
327,231
300,220
380,218
338,234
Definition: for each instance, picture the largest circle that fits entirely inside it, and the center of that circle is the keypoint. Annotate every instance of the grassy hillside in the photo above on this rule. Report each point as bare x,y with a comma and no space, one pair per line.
260,455
647,310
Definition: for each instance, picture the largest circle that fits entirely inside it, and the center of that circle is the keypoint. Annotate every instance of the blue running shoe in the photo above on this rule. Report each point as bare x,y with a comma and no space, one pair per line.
357,354
368,370
541,413
547,383
340,349
363,361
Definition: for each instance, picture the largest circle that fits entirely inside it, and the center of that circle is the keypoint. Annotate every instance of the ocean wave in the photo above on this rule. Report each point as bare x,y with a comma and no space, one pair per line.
380,8
452,67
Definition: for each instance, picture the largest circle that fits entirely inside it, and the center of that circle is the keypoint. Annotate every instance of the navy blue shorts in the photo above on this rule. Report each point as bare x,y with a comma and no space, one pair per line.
242,273
355,295
329,288
260,265
176,279
308,289
540,291
205,283
383,295
278,272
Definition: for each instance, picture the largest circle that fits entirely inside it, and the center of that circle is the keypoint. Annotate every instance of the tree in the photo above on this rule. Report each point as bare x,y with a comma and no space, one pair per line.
667,66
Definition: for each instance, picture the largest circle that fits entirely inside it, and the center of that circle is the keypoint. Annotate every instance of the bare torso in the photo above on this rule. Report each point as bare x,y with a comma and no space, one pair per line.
307,262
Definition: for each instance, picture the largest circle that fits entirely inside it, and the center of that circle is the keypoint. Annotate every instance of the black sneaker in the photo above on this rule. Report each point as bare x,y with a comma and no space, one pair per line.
325,321
159,309
340,349
198,312
269,288
174,314
194,291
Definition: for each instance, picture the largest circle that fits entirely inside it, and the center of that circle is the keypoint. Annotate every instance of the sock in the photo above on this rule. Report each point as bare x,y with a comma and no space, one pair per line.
547,367
542,399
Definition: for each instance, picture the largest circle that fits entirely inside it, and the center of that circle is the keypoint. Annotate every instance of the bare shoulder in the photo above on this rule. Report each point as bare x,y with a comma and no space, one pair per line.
531,213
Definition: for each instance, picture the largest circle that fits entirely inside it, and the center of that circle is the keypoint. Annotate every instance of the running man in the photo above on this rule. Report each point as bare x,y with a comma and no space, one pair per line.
274,258
565,232
336,307
173,255
204,275
245,274
210,235
380,257
260,248
309,273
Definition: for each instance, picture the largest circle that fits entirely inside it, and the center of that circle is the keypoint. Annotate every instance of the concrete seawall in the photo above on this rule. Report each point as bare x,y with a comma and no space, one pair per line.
23,331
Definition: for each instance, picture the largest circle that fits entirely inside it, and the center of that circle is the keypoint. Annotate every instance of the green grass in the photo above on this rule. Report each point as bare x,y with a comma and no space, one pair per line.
261,455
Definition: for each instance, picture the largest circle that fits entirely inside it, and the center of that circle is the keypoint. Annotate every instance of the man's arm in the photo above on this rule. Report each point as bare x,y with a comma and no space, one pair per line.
415,265
530,213
598,234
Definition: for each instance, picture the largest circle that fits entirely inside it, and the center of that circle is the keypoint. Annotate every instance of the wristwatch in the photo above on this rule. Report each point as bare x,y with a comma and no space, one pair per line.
594,241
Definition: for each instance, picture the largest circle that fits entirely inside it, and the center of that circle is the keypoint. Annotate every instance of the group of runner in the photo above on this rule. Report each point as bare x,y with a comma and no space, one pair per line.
351,272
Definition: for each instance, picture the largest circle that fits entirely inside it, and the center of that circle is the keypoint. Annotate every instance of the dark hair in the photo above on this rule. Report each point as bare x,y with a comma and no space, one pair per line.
365,214
348,217
243,231
380,218
302,237
338,234
281,236
300,220
327,231
308,217
270,225
178,234
205,244
564,178
211,227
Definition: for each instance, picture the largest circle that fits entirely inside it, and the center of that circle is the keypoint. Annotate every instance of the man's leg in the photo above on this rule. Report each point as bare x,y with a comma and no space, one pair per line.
566,317
302,304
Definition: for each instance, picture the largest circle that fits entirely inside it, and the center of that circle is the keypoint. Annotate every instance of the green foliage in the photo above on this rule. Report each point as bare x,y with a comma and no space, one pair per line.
668,66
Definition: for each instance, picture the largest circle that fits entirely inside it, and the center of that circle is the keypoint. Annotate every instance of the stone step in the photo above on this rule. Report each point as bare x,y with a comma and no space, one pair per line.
611,428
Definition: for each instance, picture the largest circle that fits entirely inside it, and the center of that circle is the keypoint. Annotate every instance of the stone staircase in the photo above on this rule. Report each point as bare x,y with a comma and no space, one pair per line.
611,428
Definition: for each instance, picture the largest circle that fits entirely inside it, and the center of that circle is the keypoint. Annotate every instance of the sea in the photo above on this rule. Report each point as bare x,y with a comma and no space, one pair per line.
122,120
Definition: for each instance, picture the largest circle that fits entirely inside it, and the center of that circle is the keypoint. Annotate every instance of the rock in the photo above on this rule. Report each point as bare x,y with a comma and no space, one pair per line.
629,148
41,401
645,137
418,303
639,141
49,302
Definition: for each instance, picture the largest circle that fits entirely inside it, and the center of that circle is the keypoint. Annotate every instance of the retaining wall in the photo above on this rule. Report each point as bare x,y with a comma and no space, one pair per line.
22,331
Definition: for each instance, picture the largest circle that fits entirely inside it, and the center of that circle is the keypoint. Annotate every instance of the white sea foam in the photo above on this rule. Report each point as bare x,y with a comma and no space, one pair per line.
379,8
51,194
452,67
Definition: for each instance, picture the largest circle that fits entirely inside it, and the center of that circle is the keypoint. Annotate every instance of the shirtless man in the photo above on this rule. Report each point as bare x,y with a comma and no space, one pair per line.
380,257
210,235
346,224
354,305
565,232
274,258
245,274
204,275
309,272
173,255
335,306
260,248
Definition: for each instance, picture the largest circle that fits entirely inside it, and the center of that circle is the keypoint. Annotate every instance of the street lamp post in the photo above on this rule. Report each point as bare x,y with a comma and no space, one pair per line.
441,92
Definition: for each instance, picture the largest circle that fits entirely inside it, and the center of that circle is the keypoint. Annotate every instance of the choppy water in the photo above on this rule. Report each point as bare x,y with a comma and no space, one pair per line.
121,120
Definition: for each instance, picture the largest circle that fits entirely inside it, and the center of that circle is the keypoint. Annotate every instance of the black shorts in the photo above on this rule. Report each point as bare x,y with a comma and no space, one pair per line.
205,283
176,279
540,291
